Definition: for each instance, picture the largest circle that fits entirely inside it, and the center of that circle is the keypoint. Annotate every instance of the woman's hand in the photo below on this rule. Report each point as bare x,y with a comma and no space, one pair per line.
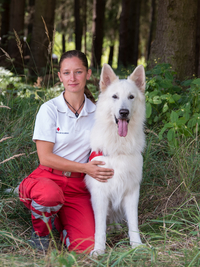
47,158
101,174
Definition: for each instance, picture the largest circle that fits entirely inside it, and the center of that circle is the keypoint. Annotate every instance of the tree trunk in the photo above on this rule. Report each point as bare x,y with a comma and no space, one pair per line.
63,43
133,32
129,33
78,31
84,3
152,27
123,34
15,43
175,41
197,67
31,11
41,45
98,32
4,23
63,28
110,59
4,31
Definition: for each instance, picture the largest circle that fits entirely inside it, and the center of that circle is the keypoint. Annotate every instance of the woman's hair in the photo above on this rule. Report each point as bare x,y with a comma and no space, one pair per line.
74,53
83,58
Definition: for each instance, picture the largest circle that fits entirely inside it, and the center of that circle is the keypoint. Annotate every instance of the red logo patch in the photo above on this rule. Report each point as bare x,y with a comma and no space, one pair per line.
58,129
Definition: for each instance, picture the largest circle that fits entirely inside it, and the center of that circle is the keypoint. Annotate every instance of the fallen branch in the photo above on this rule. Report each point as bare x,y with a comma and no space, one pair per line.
15,156
4,107
5,138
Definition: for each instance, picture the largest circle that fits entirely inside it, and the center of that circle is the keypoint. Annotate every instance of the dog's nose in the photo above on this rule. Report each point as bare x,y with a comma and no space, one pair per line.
124,112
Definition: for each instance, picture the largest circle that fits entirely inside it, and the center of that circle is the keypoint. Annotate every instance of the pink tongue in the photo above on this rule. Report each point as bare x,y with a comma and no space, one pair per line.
122,127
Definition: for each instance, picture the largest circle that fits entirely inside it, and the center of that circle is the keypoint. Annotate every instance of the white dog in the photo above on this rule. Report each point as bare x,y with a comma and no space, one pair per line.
119,136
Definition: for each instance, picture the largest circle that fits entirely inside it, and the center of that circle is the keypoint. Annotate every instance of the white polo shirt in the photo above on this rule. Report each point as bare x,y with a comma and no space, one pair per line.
56,123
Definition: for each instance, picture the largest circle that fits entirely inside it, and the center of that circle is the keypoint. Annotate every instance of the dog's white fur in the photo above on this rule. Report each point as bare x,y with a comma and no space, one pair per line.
118,197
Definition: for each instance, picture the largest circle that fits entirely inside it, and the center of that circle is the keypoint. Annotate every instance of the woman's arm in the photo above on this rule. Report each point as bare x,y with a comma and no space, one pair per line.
47,158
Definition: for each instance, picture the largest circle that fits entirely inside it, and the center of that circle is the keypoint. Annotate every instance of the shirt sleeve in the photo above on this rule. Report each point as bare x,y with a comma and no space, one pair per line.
45,123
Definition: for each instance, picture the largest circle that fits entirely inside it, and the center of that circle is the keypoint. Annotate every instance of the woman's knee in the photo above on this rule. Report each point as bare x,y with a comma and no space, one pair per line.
47,193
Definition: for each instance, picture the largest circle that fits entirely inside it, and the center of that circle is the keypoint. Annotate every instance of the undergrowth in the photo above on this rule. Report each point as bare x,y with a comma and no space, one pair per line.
169,213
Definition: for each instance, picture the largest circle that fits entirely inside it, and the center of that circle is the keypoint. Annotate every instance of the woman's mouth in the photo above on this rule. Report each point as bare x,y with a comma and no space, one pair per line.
73,84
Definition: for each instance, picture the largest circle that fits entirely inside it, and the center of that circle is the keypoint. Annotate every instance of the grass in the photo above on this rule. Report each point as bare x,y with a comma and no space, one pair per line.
169,213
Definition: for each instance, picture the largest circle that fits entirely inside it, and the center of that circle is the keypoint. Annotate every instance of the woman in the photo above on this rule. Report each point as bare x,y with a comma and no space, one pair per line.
61,133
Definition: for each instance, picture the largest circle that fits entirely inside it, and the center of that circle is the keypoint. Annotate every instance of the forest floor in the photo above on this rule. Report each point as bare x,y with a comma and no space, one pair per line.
169,209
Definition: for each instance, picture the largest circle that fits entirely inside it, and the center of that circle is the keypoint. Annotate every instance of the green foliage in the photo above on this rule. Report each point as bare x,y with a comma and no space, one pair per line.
19,103
169,212
173,106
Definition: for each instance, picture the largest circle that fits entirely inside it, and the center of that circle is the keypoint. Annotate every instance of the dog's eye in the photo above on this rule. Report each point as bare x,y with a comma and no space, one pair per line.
115,96
131,97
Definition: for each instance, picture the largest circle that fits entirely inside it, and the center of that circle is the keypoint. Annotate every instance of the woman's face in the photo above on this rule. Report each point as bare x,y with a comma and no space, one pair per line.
73,74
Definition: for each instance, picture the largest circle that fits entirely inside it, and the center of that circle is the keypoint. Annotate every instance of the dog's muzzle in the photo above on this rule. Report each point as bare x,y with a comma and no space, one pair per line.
122,122
124,113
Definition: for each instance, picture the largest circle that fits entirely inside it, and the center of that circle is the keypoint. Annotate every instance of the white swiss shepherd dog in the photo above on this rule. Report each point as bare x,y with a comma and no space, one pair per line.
118,134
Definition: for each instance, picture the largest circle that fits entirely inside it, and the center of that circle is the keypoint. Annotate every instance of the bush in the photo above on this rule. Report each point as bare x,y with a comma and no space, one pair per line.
172,105
169,212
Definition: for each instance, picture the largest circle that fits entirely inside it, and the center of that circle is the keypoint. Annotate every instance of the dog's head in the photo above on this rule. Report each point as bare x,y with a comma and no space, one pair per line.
121,96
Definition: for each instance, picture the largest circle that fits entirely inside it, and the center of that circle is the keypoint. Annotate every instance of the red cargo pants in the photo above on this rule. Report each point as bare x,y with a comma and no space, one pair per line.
47,194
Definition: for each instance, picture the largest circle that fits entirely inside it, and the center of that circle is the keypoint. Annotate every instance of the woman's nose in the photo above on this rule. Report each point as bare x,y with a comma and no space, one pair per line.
72,76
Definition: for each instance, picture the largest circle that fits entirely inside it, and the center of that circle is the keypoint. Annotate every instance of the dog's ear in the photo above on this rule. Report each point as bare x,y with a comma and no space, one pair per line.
138,76
107,77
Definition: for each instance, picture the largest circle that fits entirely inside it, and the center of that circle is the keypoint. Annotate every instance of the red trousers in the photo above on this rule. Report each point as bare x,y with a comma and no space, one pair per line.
47,194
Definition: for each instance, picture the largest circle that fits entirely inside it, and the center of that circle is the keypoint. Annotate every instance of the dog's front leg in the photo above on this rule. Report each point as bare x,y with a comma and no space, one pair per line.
131,210
100,207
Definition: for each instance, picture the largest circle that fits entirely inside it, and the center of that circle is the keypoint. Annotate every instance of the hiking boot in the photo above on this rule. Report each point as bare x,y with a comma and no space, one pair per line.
39,242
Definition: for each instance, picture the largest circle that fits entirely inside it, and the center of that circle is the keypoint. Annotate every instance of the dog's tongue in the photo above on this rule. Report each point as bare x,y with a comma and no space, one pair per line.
122,127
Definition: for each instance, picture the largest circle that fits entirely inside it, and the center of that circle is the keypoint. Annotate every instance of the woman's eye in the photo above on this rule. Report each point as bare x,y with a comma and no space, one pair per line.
114,96
131,97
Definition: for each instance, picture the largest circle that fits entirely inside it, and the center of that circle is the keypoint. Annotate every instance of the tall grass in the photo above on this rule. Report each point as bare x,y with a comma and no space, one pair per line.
169,213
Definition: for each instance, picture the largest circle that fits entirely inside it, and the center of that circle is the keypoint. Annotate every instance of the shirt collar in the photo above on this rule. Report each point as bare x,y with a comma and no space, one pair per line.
88,107
59,102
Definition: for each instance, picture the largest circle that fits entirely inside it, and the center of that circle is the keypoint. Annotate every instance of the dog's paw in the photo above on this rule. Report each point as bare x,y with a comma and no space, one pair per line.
136,244
97,252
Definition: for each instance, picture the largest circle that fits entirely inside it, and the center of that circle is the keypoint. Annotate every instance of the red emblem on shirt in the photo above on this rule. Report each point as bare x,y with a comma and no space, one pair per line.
58,129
